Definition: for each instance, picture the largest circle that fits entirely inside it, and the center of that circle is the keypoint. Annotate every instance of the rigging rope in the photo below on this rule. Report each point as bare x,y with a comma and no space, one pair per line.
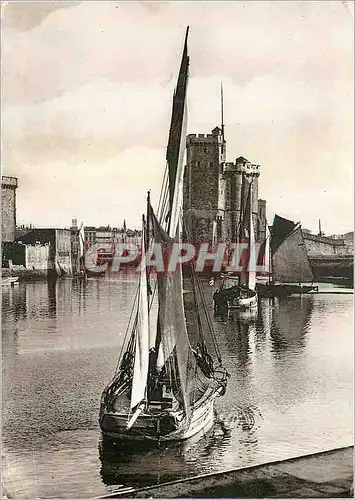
209,322
127,330
205,307
162,190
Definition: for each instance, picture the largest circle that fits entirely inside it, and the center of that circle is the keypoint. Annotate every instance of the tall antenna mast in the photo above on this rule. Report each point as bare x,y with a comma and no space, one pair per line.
222,113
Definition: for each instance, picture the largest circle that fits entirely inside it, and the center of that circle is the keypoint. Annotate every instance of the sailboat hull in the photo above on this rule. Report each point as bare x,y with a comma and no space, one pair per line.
244,303
300,289
269,290
164,427
231,299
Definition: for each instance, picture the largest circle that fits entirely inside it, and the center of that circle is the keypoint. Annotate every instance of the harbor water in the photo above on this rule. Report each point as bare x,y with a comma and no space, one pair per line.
289,391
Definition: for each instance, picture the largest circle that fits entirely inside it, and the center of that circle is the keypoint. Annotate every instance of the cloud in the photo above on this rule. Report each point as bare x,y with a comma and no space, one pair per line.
99,193
100,118
91,84
26,15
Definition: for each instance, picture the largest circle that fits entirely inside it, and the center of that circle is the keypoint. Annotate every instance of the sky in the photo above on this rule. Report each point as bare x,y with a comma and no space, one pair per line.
87,93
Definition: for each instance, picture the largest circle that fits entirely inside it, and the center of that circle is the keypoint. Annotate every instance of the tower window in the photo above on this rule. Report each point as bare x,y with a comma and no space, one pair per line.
205,150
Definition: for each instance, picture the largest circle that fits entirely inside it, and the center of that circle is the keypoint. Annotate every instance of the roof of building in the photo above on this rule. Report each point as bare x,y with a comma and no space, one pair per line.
241,159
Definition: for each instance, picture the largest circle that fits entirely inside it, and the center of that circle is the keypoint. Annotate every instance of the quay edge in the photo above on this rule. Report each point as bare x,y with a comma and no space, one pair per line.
327,474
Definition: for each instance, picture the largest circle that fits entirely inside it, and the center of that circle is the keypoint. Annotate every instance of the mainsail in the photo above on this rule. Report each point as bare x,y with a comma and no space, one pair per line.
252,249
141,358
176,142
267,250
246,231
290,260
172,340
172,336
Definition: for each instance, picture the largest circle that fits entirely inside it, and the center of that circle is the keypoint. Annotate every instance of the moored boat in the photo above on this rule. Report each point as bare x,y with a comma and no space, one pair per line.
290,271
238,292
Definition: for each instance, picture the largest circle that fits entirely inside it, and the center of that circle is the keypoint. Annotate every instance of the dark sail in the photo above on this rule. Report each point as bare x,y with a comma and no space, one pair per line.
281,228
176,133
290,260
173,346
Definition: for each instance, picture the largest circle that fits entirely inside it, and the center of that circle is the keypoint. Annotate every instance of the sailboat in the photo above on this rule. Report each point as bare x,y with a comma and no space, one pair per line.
238,292
167,377
290,268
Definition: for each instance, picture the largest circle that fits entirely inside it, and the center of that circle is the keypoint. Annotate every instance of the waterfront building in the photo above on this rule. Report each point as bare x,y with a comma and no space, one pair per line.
45,249
105,236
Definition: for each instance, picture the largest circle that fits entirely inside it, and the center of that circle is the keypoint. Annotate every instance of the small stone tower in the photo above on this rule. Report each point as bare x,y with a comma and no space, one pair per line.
8,208
237,176
204,186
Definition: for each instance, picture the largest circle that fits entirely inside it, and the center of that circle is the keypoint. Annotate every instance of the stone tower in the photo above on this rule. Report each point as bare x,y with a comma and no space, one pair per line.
215,190
204,186
237,176
8,208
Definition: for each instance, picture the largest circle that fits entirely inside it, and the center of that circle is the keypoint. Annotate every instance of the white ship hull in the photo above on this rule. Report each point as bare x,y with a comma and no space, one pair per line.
244,303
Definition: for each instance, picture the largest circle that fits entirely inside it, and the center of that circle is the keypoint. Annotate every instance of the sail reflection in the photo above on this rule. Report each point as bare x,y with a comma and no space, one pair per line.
290,322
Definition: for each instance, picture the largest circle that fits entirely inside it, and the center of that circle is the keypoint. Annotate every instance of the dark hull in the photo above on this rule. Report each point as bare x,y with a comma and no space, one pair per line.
93,274
269,290
300,289
233,300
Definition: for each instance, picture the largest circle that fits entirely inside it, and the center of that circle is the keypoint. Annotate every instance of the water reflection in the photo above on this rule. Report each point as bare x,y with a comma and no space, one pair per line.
52,298
14,301
150,463
290,322
137,465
